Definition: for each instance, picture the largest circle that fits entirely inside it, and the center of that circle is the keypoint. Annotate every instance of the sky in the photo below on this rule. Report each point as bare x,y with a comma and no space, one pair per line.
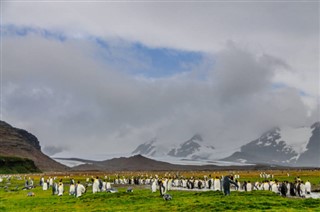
101,77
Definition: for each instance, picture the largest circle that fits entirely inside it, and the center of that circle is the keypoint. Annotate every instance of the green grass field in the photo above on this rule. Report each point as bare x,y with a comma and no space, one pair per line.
142,199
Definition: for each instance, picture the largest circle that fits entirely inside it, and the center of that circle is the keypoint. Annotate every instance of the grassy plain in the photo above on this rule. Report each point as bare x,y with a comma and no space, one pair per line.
141,199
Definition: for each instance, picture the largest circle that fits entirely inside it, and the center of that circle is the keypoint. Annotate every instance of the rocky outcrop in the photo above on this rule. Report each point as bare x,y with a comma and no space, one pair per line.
19,143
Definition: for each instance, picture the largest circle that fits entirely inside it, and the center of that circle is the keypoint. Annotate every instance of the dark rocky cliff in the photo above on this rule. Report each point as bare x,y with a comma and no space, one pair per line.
19,143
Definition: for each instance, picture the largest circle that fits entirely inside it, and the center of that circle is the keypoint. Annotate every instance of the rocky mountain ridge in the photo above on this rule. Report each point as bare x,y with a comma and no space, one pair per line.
194,148
19,143
286,146
294,147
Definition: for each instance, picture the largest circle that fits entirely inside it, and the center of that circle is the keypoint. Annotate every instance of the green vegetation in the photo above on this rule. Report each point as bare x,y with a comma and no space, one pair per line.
15,165
144,200
141,199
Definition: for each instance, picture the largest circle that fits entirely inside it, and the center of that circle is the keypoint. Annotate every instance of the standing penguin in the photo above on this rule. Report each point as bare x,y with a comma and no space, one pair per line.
80,189
54,188
302,189
108,185
283,189
308,187
275,187
292,190
298,188
50,181
72,189
210,182
162,189
95,186
26,184
31,183
169,187
249,186
104,186
154,186
217,184
266,185
60,188
44,186
41,181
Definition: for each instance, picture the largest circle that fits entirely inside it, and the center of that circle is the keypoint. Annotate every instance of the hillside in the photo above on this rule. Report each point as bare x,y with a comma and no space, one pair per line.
14,165
311,155
21,144
286,146
141,163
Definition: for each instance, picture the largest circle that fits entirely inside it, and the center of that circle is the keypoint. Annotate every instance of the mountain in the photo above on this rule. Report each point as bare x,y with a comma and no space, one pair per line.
134,163
141,163
18,143
194,148
148,148
311,156
286,146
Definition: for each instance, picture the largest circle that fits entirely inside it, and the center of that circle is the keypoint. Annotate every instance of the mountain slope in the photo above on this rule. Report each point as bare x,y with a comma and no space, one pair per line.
147,148
134,163
14,165
311,157
19,143
286,146
151,148
194,148
141,163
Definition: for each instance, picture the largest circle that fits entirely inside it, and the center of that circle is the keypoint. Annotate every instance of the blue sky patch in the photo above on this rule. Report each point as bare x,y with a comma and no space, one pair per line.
133,58
138,59
167,62
12,30
278,85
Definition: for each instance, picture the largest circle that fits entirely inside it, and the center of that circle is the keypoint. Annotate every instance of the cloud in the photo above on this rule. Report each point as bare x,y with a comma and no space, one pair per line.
83,80
286,30
52,150
64,95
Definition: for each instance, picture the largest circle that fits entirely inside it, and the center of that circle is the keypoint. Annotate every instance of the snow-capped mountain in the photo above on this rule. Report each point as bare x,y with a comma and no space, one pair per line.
194,148
311,155
285,146
147,148
151,148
